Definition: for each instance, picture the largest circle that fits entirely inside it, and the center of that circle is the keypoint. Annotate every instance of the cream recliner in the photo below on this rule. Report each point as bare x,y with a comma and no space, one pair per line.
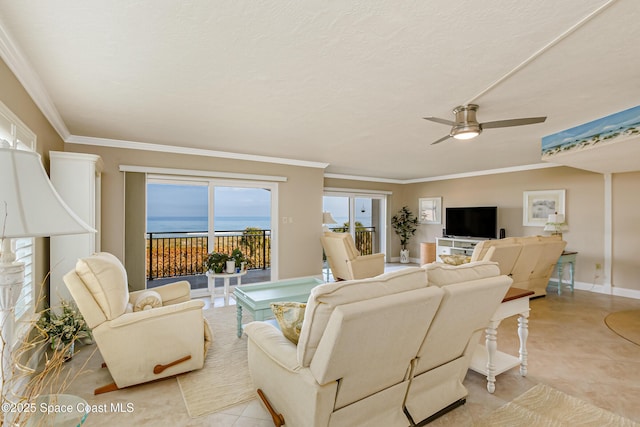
472,294
345,260
167,336
359,355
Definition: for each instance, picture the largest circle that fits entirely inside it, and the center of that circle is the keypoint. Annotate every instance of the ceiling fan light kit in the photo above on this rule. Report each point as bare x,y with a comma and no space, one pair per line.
466,126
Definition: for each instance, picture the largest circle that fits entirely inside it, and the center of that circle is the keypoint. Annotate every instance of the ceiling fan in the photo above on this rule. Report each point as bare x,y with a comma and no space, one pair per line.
466,126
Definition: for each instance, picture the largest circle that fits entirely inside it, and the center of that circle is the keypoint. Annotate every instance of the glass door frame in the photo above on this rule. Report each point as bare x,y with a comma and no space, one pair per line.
352,195
212,183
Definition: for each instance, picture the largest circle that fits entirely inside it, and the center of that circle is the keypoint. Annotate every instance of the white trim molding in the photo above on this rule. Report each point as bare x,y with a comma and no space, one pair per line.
201,173
145,146
26,75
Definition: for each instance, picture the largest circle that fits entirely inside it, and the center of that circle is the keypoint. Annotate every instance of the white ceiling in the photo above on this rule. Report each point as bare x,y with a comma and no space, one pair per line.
339,82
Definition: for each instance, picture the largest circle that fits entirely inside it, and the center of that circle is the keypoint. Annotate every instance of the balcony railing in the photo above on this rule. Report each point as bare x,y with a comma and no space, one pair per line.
181,253
364,238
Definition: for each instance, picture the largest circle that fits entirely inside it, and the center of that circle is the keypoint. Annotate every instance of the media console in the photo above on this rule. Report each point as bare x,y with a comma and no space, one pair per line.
455,246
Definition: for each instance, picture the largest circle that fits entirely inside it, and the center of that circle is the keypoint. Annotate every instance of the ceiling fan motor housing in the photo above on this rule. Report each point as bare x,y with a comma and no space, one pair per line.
466,126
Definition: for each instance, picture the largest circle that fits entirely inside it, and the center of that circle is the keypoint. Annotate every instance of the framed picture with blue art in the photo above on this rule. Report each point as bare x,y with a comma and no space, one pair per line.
538,205
430,210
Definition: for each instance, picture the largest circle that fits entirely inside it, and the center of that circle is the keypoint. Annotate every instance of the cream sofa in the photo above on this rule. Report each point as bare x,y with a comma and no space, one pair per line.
529,261
367,346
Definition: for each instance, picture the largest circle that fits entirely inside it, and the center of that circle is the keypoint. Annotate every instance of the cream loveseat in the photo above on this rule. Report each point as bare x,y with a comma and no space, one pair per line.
138,342
368,346
529,261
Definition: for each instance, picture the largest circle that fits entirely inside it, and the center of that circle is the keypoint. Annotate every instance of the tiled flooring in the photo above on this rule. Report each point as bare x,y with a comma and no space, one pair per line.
570,348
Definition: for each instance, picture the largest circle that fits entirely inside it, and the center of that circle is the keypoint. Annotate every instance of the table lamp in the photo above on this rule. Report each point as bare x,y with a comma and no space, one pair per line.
556,224
327,218
29,207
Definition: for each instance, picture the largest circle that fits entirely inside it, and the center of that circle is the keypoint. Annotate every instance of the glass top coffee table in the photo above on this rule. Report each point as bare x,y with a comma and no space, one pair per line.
257,298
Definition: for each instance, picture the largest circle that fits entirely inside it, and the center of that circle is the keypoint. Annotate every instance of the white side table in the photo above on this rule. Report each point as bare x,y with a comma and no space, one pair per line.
487,359
211,283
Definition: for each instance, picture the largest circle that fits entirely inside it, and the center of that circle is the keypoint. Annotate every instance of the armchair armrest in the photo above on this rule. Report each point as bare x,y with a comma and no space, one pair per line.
171,293
138,316
273,344
366,266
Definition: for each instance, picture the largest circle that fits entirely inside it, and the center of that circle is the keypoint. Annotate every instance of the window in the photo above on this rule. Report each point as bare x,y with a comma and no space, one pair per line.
16,134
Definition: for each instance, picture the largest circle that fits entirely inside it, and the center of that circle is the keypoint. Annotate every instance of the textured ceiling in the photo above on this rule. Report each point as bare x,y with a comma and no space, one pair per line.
345,82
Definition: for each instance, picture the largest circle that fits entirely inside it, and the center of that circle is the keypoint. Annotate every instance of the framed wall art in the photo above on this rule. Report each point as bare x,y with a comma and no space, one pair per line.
430,210
538,205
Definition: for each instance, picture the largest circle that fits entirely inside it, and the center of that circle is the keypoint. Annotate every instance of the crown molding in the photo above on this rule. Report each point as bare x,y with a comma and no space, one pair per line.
473,174
445,177
365,178
26,75
134,145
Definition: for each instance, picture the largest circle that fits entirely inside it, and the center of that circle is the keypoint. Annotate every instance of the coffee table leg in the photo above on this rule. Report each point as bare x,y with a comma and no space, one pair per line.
239,319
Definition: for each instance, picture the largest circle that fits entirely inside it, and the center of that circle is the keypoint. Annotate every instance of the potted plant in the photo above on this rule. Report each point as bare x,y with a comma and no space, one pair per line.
405,224
63,330
216,262
240,260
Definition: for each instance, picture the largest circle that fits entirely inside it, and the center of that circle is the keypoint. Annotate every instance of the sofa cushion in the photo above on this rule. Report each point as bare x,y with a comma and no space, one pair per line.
440,274
105,277
324,298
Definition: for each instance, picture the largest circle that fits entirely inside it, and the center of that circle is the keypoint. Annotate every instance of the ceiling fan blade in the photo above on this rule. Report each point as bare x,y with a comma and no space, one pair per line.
439,120
444,138
512,122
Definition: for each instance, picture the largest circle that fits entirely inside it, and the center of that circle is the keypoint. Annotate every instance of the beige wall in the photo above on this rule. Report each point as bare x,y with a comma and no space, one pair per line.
300,198
585,212
13,95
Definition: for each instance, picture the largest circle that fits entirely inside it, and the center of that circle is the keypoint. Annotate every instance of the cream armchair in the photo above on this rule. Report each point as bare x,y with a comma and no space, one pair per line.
345,260
142,336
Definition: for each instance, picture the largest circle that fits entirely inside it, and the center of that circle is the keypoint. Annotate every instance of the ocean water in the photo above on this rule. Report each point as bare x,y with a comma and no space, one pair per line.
165,224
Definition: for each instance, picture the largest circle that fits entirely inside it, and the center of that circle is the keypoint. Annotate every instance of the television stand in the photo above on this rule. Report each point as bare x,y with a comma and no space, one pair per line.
455,246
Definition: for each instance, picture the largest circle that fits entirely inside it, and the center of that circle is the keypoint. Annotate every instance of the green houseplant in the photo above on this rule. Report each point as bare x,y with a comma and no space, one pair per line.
240,260
216,262
64,329
405,224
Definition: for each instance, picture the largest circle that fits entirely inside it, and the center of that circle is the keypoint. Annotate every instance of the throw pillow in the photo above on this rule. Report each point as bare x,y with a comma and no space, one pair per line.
147,300
455,259
289,316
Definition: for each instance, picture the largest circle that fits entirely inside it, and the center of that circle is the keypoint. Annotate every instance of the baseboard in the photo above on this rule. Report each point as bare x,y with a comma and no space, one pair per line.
599,289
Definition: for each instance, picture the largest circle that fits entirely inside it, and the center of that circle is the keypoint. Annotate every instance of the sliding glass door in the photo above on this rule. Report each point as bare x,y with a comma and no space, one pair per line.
362,215
187,218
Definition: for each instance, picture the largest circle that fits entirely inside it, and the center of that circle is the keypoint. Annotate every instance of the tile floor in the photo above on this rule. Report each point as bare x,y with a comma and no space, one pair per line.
570,348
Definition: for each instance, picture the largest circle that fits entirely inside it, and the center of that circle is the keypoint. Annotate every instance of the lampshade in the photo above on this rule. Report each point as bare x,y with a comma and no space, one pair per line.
327,218
555,223
33,207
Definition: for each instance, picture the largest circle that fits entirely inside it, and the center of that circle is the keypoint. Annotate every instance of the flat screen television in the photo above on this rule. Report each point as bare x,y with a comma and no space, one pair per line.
475,222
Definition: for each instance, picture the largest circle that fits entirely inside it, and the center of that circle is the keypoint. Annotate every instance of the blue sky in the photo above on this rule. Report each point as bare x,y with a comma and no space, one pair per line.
192,200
